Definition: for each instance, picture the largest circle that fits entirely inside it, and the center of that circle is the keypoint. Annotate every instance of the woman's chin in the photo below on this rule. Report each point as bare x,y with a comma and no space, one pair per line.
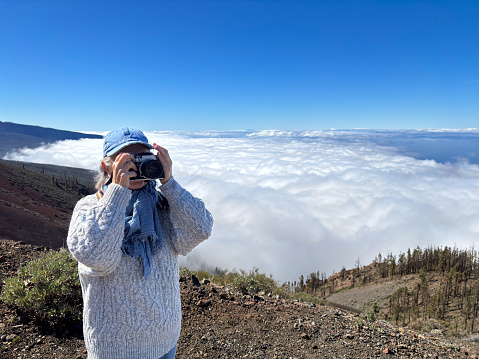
136,185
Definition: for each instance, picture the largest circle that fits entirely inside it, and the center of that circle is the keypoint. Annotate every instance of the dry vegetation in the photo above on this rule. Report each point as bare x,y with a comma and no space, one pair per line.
416,288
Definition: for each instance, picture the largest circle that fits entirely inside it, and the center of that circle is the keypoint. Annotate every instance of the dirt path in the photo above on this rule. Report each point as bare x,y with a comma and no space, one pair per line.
362,298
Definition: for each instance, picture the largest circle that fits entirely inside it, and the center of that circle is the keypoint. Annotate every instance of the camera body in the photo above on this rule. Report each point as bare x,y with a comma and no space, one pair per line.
148,167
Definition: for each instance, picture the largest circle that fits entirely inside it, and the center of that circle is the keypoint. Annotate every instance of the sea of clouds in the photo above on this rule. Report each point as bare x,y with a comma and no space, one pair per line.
295,202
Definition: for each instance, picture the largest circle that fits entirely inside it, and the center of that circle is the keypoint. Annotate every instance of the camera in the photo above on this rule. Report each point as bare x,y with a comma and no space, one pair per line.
148,167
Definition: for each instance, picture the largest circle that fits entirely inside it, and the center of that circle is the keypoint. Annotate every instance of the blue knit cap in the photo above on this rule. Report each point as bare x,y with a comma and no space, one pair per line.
118,139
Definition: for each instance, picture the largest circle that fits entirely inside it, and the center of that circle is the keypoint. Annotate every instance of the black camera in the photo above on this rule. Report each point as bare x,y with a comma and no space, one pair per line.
148,167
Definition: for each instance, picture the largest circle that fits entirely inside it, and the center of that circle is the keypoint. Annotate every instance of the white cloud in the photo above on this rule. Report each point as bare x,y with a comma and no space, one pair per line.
292,203
85,153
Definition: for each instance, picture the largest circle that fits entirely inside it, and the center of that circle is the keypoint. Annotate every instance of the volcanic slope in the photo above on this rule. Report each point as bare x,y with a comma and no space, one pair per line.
36,208
221,323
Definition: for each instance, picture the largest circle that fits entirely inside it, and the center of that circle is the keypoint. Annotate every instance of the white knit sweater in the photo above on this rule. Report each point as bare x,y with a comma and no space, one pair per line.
126,316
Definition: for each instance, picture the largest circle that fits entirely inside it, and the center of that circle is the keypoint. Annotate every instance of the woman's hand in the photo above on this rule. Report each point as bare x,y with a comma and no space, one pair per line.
123,169
165,160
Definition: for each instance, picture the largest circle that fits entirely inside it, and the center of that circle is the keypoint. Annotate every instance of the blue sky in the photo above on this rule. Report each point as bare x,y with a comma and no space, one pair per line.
229,65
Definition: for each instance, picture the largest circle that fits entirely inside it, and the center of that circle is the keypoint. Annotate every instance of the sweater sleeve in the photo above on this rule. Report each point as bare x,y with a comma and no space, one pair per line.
97,228
191,221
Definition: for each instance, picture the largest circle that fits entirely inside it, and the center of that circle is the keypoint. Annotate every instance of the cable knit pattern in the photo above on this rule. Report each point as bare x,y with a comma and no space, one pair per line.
126,316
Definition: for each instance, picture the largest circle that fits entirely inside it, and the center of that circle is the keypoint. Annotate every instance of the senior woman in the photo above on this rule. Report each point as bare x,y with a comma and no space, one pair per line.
126,239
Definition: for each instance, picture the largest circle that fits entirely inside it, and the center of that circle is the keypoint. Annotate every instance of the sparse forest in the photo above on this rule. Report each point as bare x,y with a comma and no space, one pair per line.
447,289
74,180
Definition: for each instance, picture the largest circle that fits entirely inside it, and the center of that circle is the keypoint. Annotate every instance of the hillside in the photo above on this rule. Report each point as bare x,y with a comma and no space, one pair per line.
360,291
13,136
35,208
83,176
220,323
433,288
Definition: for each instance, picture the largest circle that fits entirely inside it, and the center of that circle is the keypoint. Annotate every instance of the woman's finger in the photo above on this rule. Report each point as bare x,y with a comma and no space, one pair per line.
123,169
164,158
123,158
163,154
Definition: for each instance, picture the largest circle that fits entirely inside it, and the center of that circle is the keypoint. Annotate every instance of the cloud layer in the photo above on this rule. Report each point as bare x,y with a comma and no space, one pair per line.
292,203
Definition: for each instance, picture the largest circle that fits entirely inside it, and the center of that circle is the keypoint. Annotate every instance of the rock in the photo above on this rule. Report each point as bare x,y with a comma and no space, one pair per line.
195,281
208,336
205,281
10,337
305,336
388,351
203,303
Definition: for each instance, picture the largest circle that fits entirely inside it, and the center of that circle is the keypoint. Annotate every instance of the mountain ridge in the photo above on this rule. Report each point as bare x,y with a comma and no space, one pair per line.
15,136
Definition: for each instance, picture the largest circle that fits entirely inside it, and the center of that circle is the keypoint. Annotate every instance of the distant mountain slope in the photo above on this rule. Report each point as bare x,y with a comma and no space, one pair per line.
36,208
13,135
83,176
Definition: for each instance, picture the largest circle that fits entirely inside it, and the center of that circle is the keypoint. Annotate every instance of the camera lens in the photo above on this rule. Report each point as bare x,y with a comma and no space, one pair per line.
151,169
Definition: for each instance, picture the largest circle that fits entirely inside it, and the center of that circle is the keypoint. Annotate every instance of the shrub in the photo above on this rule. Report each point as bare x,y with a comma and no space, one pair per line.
251,282
307,298
224,277
246,285
202,274
254,282
47,289
186,272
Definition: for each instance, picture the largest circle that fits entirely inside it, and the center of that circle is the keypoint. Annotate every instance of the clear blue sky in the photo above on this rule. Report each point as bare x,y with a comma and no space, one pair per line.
226,65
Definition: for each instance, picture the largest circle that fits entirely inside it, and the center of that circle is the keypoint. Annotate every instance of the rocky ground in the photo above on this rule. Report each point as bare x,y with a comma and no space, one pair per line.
218,323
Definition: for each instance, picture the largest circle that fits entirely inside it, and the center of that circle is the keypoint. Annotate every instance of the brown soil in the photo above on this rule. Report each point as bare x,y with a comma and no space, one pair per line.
218,323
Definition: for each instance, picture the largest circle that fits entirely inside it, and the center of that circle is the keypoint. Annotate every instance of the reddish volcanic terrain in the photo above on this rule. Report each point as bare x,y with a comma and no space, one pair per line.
34,208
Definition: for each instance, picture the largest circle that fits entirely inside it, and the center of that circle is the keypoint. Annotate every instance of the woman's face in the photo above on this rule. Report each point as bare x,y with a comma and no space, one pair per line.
134,150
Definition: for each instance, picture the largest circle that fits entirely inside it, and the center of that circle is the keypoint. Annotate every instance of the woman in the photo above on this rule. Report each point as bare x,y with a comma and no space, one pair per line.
127,239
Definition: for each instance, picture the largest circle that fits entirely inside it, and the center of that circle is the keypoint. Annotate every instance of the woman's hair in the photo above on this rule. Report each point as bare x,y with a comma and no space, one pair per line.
102,176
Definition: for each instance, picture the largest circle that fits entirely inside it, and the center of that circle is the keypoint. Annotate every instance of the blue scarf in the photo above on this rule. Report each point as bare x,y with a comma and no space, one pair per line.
142,236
